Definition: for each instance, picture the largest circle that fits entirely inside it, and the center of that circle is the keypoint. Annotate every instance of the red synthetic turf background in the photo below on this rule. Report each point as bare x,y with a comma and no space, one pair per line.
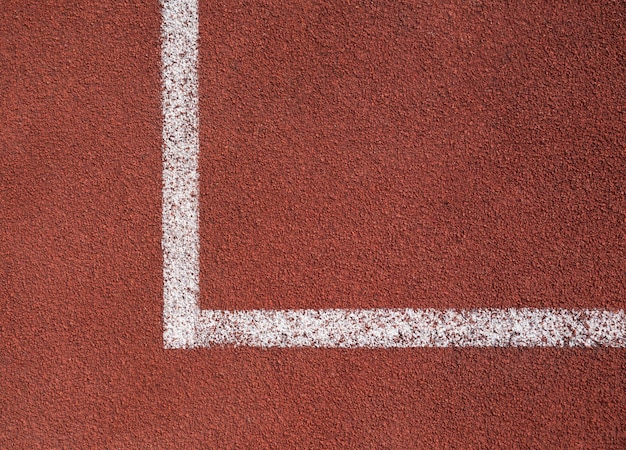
395,154
363,155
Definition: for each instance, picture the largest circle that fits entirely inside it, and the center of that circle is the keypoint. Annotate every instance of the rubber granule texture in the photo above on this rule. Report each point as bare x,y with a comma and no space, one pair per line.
459,154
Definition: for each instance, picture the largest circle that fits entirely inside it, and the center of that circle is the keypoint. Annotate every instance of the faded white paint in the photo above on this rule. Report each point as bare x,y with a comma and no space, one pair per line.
180,242
185,326
388,328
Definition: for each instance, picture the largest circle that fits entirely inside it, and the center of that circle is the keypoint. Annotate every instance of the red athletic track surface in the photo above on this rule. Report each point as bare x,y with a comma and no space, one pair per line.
387,154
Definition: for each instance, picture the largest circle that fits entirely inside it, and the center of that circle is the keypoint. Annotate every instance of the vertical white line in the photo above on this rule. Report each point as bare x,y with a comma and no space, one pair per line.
180,240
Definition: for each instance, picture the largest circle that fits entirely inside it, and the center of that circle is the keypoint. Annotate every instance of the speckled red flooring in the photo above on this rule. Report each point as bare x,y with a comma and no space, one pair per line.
353,155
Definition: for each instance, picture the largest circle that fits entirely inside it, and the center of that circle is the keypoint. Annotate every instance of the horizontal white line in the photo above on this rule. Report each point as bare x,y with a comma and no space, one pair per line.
388,328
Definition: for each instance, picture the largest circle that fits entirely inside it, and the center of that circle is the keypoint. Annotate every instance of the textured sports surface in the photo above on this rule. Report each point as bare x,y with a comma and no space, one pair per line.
312,225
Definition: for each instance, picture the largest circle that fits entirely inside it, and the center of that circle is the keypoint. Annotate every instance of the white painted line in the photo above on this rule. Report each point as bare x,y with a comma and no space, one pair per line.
180,242
388,328
186,326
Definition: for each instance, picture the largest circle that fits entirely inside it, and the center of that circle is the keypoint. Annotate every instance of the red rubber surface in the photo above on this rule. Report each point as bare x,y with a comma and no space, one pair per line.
363,155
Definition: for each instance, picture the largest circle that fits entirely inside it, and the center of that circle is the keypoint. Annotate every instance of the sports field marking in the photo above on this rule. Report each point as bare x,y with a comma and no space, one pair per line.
186,326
